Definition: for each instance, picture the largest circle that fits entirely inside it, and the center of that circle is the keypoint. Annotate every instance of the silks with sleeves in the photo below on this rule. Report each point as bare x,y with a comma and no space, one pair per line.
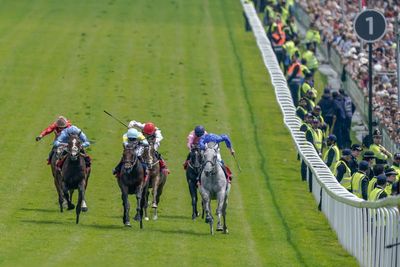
73,130
207,138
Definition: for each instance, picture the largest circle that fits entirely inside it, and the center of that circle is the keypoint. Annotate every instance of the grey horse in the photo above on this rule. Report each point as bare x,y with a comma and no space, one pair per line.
214,186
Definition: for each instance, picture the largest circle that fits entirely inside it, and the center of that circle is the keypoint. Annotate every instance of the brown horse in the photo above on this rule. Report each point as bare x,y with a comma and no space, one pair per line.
74,173
157,179
131,180
58,183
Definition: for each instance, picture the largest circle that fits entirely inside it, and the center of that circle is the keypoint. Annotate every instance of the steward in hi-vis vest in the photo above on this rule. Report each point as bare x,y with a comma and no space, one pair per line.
359,181
315,136
377,170
379,190
342,171
390,179
381,154
332,153
355,153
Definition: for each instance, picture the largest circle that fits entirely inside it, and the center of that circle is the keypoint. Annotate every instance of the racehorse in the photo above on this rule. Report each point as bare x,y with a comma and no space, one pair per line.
214,186
74,173
131,180
157,179
192,175
57,151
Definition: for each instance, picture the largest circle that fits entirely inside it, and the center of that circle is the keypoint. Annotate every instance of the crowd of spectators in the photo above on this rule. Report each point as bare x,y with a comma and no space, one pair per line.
334,19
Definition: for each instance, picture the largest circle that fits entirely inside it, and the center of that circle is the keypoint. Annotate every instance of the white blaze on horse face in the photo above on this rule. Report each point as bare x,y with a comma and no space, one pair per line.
74,148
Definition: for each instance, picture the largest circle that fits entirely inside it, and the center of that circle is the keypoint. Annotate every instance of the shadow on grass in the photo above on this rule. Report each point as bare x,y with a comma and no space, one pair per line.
95,226
42,210
182,232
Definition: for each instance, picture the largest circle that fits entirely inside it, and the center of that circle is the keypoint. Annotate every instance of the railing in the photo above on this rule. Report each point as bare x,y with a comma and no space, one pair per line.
363,228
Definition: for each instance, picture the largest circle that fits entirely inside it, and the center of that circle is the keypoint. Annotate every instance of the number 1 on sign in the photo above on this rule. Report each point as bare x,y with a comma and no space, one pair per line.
371,25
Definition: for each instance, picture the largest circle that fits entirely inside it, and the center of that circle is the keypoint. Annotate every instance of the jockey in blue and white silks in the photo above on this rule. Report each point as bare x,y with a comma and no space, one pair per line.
207,138
64,136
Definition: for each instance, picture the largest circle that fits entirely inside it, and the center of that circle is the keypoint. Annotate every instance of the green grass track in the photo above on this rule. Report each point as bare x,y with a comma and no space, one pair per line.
178,63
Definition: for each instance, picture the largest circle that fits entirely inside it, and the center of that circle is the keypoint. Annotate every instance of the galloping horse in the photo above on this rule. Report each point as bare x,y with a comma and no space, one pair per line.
214,186
192,174
58,179
157,179
131,180
74,173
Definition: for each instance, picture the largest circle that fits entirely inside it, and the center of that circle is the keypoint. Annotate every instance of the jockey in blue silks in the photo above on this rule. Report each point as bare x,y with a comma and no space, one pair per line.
63,139
73,130
215,138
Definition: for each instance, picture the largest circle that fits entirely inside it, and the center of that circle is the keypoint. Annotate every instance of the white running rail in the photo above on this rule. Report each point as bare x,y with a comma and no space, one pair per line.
363,228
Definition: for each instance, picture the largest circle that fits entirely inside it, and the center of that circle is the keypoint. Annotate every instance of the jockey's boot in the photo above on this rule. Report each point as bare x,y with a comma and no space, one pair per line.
186,164
50,156
117,168
88,161
163,167
228,173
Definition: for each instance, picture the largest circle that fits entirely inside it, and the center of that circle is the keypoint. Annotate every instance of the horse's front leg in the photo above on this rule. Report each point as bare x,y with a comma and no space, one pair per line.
126,204
155,190
193,196
221,201
81,198
139,205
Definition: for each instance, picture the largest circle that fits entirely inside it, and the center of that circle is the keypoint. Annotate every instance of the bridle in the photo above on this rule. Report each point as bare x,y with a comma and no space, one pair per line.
195,159
213,162
150,156
74,148
130,163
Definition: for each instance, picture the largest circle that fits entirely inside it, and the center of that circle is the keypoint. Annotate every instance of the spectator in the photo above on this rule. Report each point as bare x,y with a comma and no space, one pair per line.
340,116
349,109
327,107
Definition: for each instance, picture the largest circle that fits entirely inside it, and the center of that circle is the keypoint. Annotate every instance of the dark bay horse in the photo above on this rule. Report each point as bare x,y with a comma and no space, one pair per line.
74,173
157,179
131,180
214,185
58,181
193,176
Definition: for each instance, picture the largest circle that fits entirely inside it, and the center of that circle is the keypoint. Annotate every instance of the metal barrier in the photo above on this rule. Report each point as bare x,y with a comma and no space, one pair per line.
363,228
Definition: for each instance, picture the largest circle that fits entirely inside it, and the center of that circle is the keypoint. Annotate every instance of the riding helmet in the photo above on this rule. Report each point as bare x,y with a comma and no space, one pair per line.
149,128
199,131
61,122
132,133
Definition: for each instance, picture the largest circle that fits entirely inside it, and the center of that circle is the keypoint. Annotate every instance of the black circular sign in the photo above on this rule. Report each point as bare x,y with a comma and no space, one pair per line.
370,25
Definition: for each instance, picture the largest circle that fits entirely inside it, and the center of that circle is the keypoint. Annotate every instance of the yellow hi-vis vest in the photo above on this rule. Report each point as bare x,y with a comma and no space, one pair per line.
397,169
317,137
371,185
356,180
346,180
375,194
388,188
335,159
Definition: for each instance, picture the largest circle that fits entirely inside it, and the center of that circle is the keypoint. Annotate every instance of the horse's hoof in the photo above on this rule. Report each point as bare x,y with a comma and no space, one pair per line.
137,217
84,207
155,217
226,231
194,216
71,206
219,228
128,224
209,220
65,204
154,205
146,218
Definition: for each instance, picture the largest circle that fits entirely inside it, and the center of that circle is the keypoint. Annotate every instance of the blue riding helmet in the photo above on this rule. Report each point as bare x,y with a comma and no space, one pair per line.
132,133
199,131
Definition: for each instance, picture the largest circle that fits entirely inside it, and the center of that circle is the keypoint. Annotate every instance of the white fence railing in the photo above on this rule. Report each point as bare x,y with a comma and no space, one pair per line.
363,228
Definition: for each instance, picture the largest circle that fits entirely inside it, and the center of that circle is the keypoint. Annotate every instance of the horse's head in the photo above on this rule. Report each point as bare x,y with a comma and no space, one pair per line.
210,158
129,157
195,158
74,146
149,155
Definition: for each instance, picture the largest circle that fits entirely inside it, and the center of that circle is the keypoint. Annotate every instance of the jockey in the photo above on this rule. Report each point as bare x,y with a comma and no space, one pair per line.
218,139
63,138
152,134
60,124
193,139
132,136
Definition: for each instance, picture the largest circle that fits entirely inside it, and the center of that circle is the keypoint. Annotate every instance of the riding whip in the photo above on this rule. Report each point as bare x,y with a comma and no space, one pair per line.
115,118
237,163
393,245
